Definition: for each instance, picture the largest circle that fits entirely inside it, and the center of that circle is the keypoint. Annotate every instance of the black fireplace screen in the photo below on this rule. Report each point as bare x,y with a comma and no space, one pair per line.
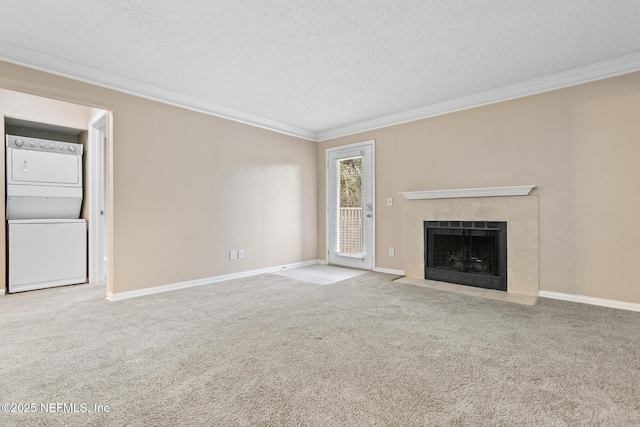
467,252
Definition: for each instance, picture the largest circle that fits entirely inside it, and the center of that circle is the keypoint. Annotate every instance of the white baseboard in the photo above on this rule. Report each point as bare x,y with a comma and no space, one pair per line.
208,280
590,300
2,291
389,271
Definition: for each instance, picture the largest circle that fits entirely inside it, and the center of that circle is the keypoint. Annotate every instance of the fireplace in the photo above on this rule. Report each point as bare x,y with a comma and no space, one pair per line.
467,252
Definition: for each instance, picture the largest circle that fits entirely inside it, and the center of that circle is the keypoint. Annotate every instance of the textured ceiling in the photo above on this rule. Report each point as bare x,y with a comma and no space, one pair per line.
323,65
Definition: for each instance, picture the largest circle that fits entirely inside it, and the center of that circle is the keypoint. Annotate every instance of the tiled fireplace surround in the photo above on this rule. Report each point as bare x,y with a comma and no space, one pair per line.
520,213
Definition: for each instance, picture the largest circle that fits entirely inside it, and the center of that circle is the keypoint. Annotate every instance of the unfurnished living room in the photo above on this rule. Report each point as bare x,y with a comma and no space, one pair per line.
281,213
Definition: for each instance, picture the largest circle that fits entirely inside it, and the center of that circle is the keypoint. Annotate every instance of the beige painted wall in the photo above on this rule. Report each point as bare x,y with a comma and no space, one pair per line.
580,146
185,188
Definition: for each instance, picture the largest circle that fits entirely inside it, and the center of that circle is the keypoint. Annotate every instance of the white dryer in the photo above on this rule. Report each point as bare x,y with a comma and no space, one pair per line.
44,179
47,243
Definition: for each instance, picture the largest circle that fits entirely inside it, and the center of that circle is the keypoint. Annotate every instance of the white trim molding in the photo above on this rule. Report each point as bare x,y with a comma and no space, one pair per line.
71,70
522,190
50,64
389,271
2,292
96,198
206,281
623,305
599,71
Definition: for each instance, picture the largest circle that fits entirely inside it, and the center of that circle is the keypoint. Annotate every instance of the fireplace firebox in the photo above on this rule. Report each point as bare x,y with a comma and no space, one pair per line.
470,253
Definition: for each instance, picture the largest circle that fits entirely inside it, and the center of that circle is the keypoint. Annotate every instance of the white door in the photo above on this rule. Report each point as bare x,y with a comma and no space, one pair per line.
350,205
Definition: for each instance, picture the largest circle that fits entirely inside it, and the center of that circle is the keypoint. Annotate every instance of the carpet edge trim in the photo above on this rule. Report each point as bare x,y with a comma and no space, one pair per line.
389,271
205,281
623,305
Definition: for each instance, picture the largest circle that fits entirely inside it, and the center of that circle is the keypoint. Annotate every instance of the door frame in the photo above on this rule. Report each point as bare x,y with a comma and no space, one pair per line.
97,200
370,143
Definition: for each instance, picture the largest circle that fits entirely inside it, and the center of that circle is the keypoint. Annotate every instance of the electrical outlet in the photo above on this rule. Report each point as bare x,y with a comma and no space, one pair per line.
240,253
392,252
233,255
390,201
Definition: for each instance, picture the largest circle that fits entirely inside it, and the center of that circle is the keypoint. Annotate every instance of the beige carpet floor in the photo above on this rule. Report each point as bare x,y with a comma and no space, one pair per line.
274,351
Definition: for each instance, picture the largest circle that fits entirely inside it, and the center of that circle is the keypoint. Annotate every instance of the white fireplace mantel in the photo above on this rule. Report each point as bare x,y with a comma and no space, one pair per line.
522,190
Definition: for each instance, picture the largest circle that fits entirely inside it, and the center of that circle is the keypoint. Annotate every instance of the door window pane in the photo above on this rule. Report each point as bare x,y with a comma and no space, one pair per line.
349,217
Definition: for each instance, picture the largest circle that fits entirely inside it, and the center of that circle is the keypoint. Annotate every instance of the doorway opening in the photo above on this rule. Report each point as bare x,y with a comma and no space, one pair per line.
67,128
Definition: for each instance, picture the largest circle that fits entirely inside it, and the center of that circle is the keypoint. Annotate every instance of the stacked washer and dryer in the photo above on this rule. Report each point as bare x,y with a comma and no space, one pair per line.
47,242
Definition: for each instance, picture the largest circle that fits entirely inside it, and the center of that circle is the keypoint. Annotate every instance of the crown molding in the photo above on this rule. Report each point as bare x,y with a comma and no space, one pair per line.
43,62
601,70
60,67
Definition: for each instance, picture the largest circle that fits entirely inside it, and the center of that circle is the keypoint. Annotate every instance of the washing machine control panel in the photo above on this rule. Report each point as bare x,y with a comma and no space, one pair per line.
44,145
